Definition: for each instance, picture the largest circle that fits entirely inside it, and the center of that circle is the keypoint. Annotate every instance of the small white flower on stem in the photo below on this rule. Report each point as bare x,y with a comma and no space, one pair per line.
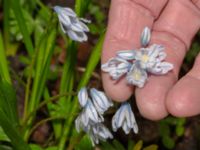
145,36
100,100
124,118
116,67
72,25
88,116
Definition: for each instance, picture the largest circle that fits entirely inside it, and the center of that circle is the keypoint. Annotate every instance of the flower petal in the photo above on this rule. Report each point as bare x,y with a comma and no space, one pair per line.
69,12
77,36
161,68
100,101
137,76
126,54
83,96
91,112
145,36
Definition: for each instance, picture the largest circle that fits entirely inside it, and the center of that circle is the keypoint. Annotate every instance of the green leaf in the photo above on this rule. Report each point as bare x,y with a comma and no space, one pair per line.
168,142
8,102
131,144
15,4
35,147
12,132
180,130
118,145
4,71
107,146
3,136
52,148
81,7
42,59
164,129
138,145
4,147
85,143
151,147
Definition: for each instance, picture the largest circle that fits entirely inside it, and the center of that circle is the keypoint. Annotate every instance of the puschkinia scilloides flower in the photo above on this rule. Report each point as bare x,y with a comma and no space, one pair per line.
124,118
99,132
94,103
71,25
116,67
136,64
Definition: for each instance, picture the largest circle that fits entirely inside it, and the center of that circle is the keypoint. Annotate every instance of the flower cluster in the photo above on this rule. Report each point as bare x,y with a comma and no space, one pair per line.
136,64
72,25
91,118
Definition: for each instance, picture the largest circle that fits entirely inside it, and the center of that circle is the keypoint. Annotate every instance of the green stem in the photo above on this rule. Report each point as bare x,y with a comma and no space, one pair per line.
28,85
67,77
45,102
42,122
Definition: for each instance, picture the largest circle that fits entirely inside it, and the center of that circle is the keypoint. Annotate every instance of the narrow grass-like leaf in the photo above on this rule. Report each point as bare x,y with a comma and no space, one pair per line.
81,7
15,4
44,56
4,72
8,102
6,12
12,132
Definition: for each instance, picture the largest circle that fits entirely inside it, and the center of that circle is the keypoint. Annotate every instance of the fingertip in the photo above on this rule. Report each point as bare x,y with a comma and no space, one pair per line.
151,98
183,99
118,91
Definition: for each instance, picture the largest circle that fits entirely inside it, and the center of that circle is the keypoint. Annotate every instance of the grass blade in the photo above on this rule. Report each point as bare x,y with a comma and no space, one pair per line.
4,72
12,132
15,4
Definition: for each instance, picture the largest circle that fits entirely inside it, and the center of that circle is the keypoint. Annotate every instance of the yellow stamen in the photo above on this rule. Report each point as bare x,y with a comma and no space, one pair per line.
145,58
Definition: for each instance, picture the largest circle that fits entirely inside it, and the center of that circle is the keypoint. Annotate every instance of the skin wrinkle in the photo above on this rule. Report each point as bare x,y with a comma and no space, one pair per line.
173,23
124,18
196,3
150,5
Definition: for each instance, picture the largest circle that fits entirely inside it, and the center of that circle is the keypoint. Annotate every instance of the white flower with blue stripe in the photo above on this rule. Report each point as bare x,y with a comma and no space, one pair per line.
124,118
71,25
116,67
90,120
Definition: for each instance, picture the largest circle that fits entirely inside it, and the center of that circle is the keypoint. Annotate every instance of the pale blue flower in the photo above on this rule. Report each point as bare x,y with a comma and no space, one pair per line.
152,58
124,118
116,67
72,25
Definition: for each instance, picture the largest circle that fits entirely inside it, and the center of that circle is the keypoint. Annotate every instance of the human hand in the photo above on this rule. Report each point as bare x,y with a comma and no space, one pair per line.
174,23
